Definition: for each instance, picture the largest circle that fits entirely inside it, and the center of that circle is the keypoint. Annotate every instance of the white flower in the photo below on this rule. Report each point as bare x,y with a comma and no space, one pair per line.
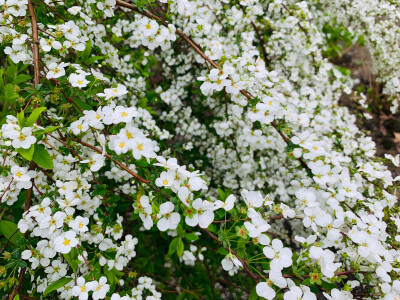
82,288
22,138
79,126
338,295
168,219
204,214
252,199
227,205
264,290
79,225
166,179
57,270
281,257
100,288
114,92
21,177
65,242
74,10
56,70
296,292
231,261
78,80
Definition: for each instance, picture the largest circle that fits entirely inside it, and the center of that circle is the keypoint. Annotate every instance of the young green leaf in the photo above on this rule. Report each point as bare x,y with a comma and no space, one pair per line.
27,153
47,129
42,157
86,52
34,116
21,118
22,78
180,247
173,245
191,236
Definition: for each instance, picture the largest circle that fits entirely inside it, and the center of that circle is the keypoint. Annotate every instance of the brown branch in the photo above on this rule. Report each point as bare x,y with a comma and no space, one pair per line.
35,45
32,165
262,44
139,178
245,266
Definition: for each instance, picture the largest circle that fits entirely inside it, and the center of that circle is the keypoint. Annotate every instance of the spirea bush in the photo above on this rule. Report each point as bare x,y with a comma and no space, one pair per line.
194,149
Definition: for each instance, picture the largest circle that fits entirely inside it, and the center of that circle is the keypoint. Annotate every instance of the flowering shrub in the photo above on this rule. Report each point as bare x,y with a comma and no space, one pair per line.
190,149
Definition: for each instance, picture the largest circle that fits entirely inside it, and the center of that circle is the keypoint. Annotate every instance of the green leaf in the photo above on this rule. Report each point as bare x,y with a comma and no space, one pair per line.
34,116
180,230
56,285
191,236
22,78
21,118
173,245
327,285
222,251
82,105
253,294
221,194
2,91
27,153
10,231
180,247
100,190
92,59
86,52
72,259
42,157
22,264
10,93
11,73
16,297
47,129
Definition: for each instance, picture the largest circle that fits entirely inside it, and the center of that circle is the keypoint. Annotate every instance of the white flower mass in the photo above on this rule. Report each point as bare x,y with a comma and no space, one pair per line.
193,149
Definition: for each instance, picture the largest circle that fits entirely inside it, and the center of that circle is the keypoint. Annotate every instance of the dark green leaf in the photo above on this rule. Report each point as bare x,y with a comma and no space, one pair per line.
82,105
56,285
222,251
10,231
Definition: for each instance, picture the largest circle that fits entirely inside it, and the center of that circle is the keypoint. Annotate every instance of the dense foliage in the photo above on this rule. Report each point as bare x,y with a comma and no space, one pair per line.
195,149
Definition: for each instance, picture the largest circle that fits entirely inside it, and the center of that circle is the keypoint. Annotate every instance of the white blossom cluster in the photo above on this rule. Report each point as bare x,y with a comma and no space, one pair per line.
262,119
